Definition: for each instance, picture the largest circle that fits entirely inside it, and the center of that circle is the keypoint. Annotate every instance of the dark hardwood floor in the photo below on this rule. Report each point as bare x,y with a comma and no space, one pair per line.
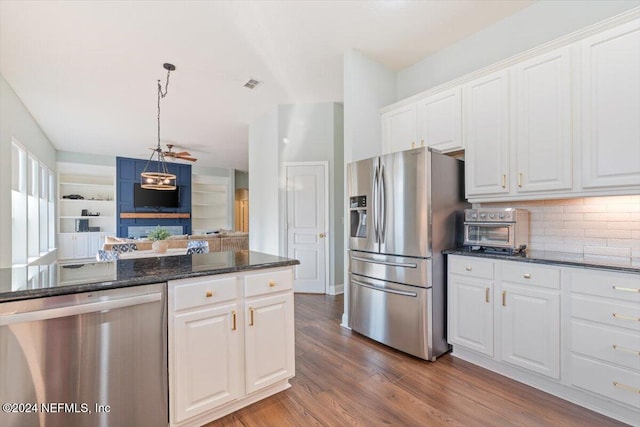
345,379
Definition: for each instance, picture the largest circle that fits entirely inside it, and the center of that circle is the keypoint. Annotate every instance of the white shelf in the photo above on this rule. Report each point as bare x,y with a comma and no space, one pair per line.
87,217
86,200
87,184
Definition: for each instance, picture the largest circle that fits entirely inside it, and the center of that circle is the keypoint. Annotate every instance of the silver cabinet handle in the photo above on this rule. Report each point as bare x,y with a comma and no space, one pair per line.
527,276
390,291
73,310
389,263
468,268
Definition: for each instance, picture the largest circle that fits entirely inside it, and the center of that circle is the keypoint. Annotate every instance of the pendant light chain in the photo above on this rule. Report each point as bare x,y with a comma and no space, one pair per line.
162,179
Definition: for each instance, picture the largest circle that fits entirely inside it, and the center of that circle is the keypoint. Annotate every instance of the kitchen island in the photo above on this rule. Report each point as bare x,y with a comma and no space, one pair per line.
212,332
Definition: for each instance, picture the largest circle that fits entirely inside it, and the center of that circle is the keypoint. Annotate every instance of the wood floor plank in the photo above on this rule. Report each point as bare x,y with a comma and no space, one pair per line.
345,379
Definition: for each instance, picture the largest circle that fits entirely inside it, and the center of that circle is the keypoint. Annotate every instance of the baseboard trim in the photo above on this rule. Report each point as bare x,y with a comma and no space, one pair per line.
336,289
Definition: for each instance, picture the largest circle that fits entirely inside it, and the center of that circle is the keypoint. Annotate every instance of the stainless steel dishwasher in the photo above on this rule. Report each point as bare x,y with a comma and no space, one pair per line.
88,359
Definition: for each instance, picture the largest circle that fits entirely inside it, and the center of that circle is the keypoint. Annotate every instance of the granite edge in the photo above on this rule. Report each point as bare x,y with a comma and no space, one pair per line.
579,264
136,281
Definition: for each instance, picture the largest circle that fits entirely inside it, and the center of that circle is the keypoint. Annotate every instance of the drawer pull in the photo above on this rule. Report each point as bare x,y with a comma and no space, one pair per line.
486,294
527,276
520,179
621,288
504,181
626,387
468,268
250,316
209,294
234,320
625,316
504,298
272,284
627,350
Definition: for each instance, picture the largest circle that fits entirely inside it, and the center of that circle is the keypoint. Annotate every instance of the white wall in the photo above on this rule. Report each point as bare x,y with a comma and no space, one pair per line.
368,86
539,23
263,184
16,121
313,132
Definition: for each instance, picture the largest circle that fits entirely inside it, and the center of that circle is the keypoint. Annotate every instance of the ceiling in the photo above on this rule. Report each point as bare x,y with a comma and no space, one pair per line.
87,70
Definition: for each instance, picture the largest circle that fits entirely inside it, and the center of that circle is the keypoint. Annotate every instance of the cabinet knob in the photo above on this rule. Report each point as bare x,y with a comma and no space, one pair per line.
272,284
469,268
527,276
413,144
322,235
209,294
422,142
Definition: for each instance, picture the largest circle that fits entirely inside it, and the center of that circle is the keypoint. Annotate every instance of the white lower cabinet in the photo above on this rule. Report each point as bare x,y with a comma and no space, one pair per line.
530,322
269,351
573,332
231,342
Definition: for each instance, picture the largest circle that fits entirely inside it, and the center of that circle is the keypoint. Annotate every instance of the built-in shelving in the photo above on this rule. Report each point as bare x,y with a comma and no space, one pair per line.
210,206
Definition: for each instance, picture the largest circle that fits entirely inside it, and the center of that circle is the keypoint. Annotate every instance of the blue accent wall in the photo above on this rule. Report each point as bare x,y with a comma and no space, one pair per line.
128,172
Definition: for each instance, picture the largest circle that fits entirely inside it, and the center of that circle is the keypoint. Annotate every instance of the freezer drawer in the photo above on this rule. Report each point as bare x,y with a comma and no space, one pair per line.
393,314
409,271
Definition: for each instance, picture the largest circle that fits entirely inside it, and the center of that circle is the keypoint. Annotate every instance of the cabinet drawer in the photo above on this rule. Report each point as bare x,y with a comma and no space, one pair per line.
607,344
528,274
473,267
195,293
615,383
621,314
606,284
267,283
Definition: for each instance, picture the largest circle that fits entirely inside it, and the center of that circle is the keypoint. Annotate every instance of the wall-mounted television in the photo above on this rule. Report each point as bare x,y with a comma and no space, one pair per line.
143,198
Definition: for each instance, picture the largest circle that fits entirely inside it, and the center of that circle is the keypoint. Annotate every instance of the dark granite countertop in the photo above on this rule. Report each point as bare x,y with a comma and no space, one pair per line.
59,279
551,258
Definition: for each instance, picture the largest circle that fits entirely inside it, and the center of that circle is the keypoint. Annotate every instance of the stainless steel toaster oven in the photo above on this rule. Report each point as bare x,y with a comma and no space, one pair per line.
504,229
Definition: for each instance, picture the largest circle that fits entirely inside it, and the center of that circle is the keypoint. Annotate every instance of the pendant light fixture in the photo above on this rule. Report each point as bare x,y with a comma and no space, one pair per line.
156,176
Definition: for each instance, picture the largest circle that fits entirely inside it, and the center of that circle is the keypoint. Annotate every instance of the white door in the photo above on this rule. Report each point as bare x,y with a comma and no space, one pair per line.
487,130
440,120
269,341
531,329
471,313
543,125
611,107
307,225
399,129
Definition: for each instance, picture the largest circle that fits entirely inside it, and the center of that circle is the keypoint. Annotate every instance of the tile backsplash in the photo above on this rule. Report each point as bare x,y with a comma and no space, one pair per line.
600,228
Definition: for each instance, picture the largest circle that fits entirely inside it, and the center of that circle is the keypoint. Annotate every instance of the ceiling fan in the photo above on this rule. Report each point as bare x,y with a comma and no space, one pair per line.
182,155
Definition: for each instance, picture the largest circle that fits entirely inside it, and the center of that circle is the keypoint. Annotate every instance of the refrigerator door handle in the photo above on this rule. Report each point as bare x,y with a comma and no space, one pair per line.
390,291
374,205
383,206
392,264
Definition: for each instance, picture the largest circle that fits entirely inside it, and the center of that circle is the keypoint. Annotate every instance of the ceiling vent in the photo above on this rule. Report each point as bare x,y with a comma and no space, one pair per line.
252,84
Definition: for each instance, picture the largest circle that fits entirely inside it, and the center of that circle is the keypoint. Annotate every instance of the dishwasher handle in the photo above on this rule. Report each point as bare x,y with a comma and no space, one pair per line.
74,310
390,291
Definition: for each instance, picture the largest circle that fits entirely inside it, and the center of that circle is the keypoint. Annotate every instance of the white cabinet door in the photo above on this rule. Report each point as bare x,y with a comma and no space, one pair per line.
611,107
470,308
269,341
65,246
487,135
207,355
81,246
440,120
544,123
399,129
530,320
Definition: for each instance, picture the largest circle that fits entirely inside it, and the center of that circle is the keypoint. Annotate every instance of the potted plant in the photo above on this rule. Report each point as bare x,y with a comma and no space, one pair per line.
159,235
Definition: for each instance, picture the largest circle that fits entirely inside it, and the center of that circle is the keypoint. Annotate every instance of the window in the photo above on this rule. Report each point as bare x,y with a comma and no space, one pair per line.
32,207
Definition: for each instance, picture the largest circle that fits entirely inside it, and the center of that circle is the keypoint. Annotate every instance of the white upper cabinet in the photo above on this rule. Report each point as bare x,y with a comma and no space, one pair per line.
543,125
440,120
487,134
399,129
610,107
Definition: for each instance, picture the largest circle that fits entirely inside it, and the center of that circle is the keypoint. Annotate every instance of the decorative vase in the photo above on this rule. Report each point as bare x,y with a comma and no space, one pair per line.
160,246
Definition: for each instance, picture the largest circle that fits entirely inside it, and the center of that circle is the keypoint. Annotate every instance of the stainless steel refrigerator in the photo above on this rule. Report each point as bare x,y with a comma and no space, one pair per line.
404,209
